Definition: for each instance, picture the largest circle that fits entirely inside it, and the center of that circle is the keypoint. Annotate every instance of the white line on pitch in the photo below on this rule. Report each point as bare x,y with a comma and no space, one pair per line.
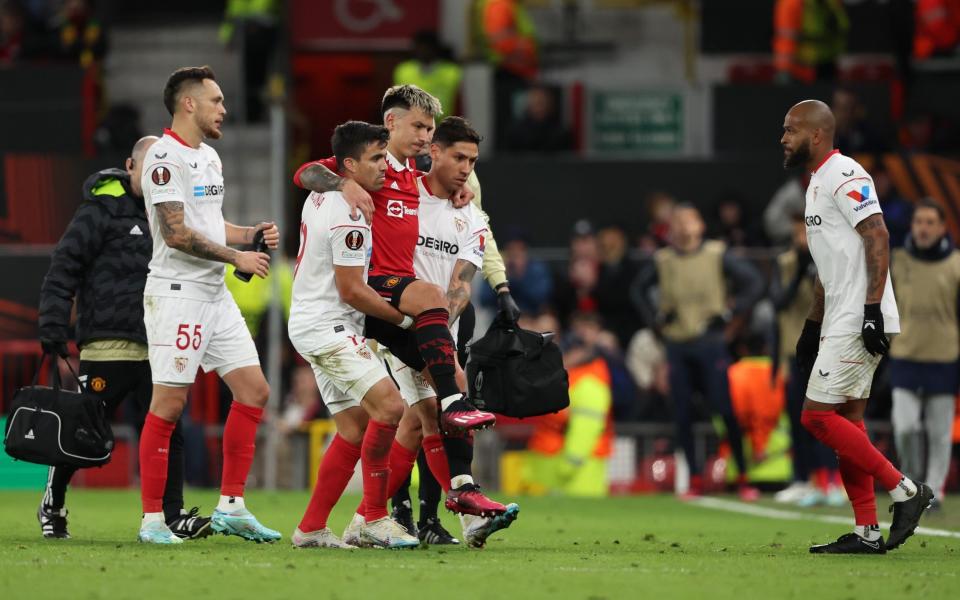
791,515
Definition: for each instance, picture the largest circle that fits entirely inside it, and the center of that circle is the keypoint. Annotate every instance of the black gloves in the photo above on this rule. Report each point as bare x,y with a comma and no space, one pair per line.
874,340
808,345
507,309
54,347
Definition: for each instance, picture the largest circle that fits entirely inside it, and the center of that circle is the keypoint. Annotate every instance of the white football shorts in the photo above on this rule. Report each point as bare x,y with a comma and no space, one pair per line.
843,370
186,334
413,386
345,368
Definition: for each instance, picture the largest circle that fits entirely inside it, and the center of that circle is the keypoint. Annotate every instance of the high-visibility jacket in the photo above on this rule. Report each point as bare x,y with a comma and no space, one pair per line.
585,428
757,401
507,36
808,33
441,79
253,297
936,28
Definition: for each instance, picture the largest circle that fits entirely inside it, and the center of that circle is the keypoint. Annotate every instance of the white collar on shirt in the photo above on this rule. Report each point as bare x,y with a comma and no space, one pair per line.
395,164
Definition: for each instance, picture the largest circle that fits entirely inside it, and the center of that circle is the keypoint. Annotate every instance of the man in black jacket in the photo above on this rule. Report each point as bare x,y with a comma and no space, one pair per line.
102,260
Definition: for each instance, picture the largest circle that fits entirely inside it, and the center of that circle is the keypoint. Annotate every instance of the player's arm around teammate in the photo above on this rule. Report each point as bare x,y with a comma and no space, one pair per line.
330,299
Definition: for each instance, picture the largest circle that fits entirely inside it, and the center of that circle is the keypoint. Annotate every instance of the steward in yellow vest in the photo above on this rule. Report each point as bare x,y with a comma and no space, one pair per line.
691,316
923,358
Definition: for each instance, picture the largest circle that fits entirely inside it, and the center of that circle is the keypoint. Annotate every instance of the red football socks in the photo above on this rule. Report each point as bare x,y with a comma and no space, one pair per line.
437,460
401,462
375,462
851,444
154,455
239,442
336,469
860,488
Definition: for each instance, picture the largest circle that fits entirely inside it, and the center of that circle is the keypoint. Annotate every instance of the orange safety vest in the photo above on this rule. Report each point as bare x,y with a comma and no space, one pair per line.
937,27
509,37
757,402
550,430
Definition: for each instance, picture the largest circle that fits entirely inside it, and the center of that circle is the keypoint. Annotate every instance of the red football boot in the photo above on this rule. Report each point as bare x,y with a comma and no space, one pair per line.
469,500
461,416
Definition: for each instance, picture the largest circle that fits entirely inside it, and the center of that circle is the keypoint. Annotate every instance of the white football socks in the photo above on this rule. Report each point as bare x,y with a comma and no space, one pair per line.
230,504
905,490
460,480
871,533
446,402
156,517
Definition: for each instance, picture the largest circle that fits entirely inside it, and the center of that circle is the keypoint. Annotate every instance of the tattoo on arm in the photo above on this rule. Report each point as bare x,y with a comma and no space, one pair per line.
179,236
876,251
458,294
318,178
817,308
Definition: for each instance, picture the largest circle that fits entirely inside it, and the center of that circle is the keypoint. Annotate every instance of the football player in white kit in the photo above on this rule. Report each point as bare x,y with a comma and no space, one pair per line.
450,249
330,298
191,320
845,335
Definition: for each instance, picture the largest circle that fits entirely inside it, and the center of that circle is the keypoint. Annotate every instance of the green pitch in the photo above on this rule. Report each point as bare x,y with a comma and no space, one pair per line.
639,547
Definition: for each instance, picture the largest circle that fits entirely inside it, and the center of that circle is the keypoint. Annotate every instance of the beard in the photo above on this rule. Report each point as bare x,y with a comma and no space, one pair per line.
798,157
210,131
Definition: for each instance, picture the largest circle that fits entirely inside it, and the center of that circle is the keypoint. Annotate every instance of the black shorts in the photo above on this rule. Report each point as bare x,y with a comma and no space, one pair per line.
401,342
390,287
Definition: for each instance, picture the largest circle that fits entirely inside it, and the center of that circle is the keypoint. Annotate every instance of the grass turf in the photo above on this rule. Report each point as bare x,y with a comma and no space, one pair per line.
650,547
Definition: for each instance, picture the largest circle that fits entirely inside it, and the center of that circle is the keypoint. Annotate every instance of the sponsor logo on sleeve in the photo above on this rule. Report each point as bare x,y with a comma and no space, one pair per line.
862,198
160,175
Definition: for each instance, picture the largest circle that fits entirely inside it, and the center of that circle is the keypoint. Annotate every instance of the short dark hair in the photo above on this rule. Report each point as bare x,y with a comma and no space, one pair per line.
175,84
409,96
933,205
350,139
455,129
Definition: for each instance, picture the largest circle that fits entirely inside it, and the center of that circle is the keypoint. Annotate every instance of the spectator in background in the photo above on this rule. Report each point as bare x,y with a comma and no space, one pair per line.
659,207
541,128
251,27
576,287
787,201
923,358
505,35
432,69
80,34
732,229
23,35
691,316
588,332
530,281
617,272
853,132
936,29
569,450
809,37
815,474
897,212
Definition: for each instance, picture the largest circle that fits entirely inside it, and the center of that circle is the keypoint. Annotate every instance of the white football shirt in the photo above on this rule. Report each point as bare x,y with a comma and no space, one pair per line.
328,236
447,234
841,195
176,172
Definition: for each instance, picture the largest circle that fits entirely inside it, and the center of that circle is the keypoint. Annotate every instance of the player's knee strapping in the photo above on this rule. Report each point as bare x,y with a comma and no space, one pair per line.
437,349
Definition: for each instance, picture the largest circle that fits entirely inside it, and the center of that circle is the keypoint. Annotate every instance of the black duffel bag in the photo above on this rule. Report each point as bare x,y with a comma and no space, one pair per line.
53,426
517,373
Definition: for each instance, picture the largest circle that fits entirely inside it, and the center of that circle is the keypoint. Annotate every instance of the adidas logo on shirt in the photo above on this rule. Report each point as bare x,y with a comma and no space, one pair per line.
29,435
136,230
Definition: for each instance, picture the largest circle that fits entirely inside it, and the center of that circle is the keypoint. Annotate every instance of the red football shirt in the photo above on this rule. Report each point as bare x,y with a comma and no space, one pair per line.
395,224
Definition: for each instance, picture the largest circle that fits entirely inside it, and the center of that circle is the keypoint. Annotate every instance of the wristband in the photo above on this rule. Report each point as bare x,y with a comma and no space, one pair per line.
407,322
872,311
499,286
